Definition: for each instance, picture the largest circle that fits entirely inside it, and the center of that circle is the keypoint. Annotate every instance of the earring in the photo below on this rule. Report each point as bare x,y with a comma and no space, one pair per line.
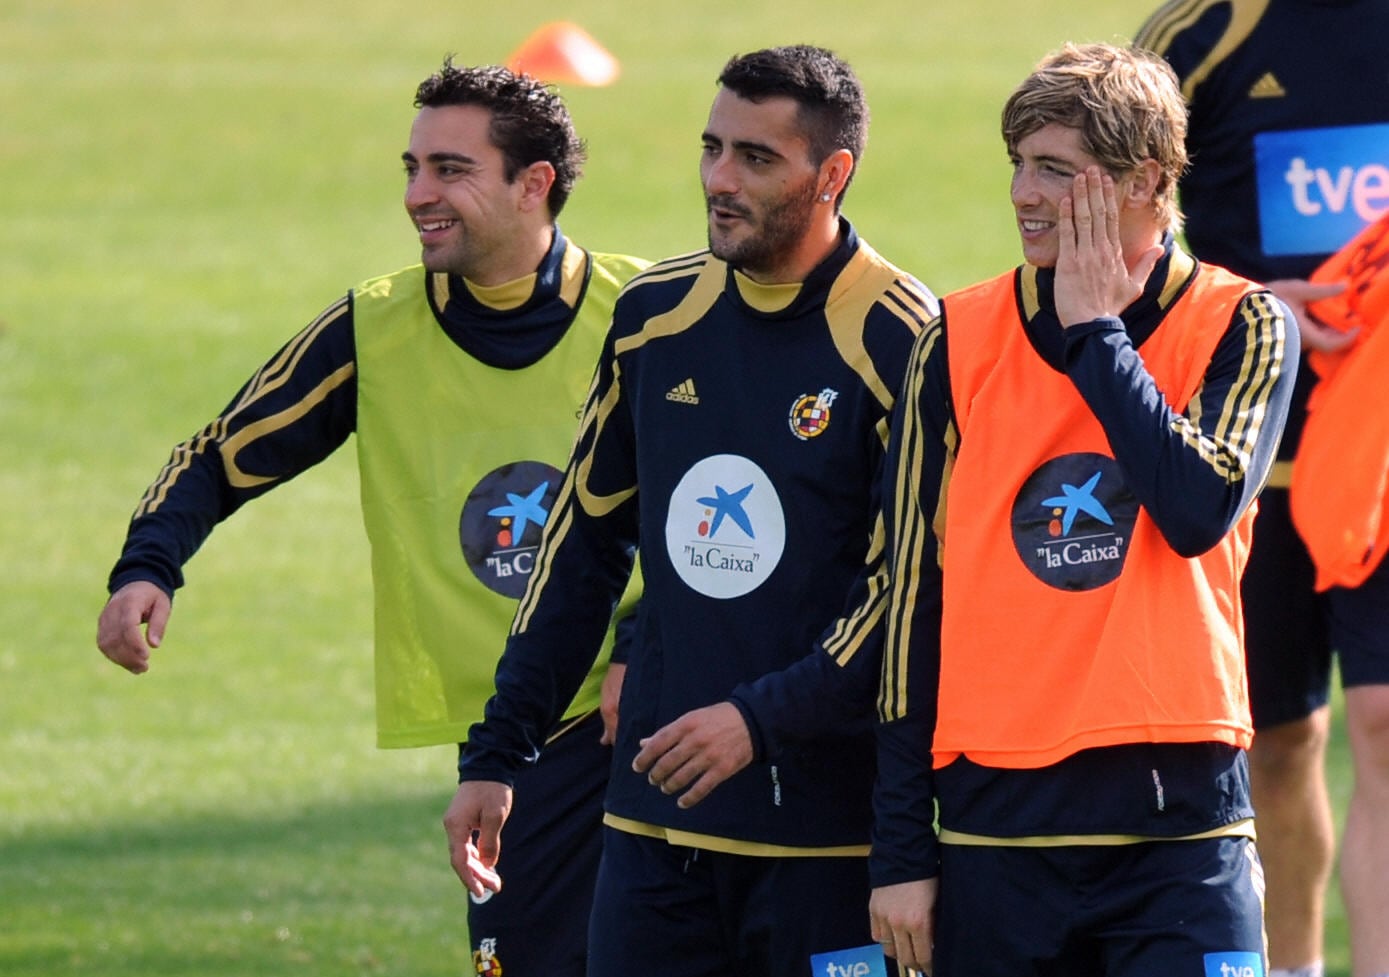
824,198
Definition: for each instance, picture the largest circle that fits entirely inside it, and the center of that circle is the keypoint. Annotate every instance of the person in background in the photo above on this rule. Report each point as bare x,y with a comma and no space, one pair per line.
1073,470
738,425
461,378
1289,146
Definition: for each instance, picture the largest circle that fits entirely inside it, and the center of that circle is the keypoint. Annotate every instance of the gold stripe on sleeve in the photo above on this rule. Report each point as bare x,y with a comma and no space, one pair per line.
1229,447
270,377
911,530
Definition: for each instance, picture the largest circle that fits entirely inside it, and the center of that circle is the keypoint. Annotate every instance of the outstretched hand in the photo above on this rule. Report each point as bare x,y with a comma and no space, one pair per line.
696,752
1092,278
1295,293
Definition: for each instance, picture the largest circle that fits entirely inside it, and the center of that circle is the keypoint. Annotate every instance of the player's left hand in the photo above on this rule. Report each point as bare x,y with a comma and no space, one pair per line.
696,752
473,824
902,920
1092,279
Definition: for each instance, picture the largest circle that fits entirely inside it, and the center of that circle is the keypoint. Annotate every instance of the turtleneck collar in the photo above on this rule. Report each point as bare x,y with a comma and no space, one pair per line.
791,300
508,298
513,325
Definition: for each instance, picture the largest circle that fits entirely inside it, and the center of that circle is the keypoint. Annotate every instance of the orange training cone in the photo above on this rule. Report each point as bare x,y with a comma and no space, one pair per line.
563,52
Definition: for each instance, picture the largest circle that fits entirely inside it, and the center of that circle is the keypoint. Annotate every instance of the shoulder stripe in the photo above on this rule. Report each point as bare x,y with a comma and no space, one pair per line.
866,283
1177,15
1169,20
709,276
275,374
672,269
271,376
909,305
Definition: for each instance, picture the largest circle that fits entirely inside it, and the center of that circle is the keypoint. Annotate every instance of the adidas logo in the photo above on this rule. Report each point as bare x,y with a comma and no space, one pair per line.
683,393
1267,87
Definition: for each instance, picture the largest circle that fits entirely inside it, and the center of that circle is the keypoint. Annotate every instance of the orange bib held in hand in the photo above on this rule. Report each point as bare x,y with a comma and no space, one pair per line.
1339,494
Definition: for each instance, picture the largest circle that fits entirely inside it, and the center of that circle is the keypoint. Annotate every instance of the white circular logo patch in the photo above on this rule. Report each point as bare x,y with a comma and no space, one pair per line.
725,529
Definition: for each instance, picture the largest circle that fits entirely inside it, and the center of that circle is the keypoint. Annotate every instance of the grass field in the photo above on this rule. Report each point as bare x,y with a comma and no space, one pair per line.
186,185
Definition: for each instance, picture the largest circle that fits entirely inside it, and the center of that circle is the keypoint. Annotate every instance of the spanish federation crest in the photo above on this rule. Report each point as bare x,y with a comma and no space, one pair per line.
485,959
810,414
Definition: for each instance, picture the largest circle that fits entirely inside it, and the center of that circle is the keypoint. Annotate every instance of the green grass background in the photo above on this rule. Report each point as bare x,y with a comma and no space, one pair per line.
182,187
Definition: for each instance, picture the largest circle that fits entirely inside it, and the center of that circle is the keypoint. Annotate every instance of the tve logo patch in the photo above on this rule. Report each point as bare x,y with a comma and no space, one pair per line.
1234,964
861,961
1319,187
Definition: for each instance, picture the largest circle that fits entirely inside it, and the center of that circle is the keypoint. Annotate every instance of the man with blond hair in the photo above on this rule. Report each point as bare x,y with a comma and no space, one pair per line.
1079,445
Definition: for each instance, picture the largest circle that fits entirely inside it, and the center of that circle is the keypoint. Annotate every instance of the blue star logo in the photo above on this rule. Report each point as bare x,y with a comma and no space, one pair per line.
1077,500
524,509
729,504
